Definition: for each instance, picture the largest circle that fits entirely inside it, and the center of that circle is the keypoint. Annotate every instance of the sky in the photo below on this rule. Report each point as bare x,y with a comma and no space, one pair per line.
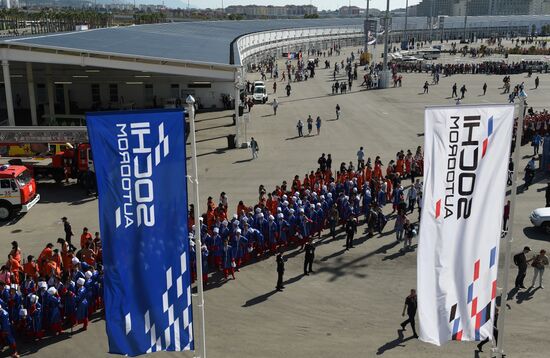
321,4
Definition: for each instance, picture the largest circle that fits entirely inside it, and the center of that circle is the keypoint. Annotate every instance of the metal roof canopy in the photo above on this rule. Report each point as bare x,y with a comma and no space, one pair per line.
200,42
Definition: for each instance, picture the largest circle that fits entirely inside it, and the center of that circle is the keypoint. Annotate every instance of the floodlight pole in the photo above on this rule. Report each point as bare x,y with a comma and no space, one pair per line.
509,238
200,341
367,28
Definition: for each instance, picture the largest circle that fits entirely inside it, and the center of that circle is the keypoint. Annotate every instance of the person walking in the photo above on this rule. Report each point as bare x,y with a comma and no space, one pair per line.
300,127
454,94
308,257
360,158
68,232
351,229
309,125
537,82
484,88
495,331
337,111
280,271
535,142
274,87
288,89
318,125
410,307
334,218
506,216
275,105
540,261
426,87
520,260
463,91
547,195
254,147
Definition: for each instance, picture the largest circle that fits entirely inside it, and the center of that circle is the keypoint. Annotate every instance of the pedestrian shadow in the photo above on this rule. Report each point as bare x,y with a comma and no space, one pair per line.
267,115
243,161
333,255
512,293
296,137
259,299
400,253
294,279
526,295
332,120
398,342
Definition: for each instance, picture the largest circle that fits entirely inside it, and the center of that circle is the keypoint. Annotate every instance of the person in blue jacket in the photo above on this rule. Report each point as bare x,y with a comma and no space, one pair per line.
35,315
81,303
227,259
54,313
6,331
239,247
283,227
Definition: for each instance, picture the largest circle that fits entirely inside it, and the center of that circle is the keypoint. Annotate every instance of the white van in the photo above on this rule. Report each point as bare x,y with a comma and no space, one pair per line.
260,94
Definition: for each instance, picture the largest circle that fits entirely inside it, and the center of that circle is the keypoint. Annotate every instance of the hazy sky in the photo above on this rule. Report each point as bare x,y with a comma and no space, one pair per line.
321,4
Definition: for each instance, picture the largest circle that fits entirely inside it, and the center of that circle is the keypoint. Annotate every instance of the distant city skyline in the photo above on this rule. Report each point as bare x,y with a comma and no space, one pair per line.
320,4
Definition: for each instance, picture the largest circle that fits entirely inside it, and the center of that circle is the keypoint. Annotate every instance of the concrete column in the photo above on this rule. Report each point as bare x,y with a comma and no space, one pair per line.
51,94
9,95
32,96
66,99
237,86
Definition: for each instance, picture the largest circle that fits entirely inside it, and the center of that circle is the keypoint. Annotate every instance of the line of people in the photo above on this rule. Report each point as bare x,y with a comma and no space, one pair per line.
292,215
57,291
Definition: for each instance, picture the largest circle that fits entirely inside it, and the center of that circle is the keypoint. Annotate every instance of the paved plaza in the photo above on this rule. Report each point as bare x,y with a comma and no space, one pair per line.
351,306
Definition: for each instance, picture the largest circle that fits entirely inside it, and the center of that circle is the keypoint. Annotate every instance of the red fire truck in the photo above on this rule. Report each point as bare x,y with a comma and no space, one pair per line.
72,162
17,191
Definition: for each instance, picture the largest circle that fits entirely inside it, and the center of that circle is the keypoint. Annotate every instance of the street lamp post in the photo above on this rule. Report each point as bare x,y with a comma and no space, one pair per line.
405,34
367,28
385,74
200,341
465,18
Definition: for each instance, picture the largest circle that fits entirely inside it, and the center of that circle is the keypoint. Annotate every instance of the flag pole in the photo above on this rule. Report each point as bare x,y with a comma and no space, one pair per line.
200,341
509,238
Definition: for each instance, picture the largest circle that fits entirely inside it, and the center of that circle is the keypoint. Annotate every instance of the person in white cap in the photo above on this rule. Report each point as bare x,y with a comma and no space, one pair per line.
23,324
77,273
272,234
6,331
42,293
228,262
81,303
53,311
35,315
215,250
239,246
13,303
283,228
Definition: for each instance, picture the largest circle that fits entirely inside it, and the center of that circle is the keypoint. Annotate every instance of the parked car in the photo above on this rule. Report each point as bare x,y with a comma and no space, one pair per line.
541,218
260,94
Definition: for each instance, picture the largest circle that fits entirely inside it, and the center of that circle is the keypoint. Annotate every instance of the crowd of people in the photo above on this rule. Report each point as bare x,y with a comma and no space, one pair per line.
296,212
58,290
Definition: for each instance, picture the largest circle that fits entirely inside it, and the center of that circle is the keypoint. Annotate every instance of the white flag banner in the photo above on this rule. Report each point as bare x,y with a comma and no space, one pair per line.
465,171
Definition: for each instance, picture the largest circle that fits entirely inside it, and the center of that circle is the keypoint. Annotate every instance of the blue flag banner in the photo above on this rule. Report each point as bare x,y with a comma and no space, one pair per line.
139,160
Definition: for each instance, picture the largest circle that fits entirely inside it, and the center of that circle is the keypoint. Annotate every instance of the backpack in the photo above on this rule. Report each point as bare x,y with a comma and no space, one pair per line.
516,259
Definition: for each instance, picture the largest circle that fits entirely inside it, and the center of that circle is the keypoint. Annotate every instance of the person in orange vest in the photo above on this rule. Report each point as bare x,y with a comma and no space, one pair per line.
85,238
44,257
31,268
15,251
15,269
88,255
241,209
